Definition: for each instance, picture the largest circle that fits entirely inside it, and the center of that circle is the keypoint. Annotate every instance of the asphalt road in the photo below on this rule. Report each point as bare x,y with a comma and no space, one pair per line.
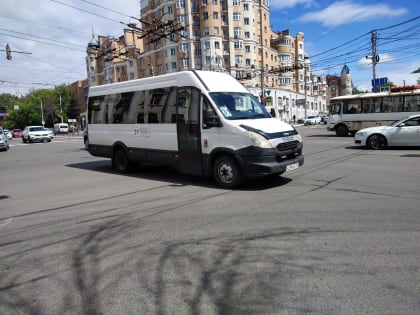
340,235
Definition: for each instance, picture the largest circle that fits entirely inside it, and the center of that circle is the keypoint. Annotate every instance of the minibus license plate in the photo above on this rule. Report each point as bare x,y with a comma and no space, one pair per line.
288,138
292,167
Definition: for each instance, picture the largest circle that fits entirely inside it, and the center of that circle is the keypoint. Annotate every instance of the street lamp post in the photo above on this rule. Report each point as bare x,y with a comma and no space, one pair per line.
42,115
61,110
304,83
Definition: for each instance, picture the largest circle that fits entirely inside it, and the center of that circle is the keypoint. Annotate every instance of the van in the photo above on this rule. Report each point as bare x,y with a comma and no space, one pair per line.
197,122
61,128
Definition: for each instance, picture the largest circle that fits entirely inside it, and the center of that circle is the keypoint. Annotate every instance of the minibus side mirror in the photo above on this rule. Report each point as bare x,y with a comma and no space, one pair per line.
211,121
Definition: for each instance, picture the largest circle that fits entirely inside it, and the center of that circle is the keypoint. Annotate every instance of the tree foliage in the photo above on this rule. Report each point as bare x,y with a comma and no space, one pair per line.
37,106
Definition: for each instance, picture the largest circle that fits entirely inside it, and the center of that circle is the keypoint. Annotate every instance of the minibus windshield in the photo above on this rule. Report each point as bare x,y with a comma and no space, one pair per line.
234,105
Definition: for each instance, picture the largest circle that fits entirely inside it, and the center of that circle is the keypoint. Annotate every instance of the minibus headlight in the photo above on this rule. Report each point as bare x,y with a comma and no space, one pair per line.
258,140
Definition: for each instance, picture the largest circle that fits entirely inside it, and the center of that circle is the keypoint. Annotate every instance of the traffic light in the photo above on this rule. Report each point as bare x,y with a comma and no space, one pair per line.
8,52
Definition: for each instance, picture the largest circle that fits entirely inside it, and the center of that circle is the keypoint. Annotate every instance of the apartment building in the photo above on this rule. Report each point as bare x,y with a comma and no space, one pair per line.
232,36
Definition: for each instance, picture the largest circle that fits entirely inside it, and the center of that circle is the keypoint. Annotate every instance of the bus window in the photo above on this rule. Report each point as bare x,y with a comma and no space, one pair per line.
412,103
371,105
335,108
392,104
351,107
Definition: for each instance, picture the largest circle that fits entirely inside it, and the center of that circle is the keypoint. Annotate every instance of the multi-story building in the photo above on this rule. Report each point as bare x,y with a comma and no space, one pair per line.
340,85
232,36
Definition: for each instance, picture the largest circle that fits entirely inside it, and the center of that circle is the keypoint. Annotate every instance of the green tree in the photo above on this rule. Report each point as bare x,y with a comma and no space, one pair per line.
6,102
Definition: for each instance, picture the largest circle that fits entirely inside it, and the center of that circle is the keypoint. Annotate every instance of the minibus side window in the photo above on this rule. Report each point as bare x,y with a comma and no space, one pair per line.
210,118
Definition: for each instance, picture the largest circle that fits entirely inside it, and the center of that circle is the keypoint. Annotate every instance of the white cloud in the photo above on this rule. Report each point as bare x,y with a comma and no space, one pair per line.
284,4
345,12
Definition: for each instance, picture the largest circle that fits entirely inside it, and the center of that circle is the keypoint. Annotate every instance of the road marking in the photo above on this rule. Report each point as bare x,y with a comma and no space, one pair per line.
4,222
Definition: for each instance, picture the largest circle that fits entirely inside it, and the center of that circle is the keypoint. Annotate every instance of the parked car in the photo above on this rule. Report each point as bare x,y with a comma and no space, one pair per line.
35,133
404,132
324,119
17,133
8,134
4,142
312,120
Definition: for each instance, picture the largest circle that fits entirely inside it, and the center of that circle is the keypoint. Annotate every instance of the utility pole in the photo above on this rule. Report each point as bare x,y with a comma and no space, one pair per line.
374,57
42,115
61,110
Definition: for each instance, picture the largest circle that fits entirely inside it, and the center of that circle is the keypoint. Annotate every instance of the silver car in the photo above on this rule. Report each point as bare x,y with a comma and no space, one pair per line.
4,142
404,132
35,133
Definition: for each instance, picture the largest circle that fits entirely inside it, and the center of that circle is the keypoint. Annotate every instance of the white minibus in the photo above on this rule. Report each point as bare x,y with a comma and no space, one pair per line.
61,128
198,122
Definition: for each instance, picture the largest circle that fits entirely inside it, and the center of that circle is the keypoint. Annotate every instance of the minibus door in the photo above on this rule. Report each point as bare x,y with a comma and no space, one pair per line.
188,130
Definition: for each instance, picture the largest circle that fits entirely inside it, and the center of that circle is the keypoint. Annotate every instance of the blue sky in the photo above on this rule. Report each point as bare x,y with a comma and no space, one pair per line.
329,25
56,32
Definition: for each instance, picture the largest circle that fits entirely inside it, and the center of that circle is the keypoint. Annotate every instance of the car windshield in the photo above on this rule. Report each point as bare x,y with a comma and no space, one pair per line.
311,117
36,129
236,105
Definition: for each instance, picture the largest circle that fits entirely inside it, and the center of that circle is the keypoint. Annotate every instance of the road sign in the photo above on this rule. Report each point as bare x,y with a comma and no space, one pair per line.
379,81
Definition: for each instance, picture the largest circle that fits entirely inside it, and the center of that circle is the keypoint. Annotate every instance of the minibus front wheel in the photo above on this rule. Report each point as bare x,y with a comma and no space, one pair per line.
226,172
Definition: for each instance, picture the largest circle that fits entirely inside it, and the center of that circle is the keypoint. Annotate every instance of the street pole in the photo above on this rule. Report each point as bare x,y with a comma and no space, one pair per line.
304,80
42,115
262,84
61,110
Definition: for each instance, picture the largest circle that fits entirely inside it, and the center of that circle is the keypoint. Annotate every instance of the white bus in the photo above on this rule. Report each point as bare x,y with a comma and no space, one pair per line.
350,113
198,122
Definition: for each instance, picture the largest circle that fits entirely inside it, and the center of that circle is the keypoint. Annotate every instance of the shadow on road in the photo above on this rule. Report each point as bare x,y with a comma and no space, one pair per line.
169,175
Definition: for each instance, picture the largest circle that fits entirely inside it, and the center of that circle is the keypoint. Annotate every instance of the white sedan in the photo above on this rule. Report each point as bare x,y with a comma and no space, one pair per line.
404,132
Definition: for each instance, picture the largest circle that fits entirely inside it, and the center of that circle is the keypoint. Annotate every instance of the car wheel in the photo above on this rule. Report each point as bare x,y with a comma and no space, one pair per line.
87,143
341,130
120,161
226,172
376,142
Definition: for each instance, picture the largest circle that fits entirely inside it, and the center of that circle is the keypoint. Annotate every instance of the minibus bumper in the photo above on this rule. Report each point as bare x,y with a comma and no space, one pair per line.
268,165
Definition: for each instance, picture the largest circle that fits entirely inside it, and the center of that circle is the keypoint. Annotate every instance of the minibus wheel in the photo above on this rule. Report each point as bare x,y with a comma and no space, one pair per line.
120,161
226,172
341,130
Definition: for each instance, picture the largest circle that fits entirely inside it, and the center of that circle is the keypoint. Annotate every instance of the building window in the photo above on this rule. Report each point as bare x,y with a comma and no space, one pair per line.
173,65
197,49
184,47
205,15
217,45
214,2
237,31
180,4
215,15
237,44
236,2
246,21
236,16
185,62
216,30
247,48
247,35
238,59
246,7
206,45
248,62
206,31
204,2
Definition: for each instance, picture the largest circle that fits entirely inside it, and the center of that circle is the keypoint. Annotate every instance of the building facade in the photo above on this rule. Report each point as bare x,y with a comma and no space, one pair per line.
232,36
